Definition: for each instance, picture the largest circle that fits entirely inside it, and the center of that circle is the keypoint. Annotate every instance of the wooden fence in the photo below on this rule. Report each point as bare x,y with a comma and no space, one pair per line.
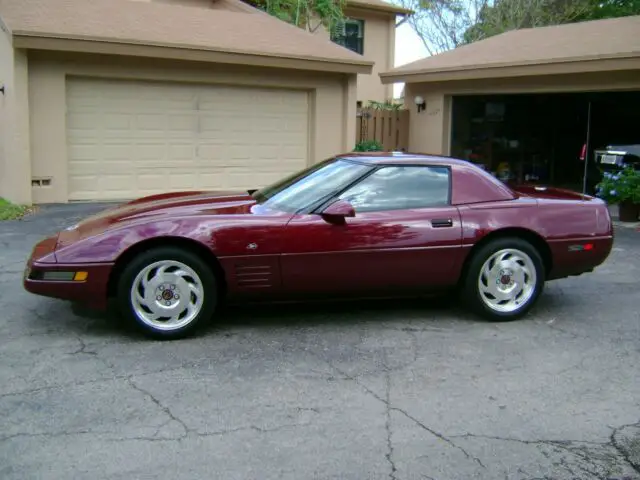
388,127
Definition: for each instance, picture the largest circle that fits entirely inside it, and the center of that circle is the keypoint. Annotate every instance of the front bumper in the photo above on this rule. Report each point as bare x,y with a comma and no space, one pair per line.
83,283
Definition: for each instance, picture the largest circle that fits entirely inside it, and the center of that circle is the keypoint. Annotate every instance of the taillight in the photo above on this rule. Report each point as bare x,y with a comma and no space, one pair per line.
581,247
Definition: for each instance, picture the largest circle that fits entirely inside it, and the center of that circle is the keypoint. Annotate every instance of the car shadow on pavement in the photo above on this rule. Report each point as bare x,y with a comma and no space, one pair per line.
285,315
427,312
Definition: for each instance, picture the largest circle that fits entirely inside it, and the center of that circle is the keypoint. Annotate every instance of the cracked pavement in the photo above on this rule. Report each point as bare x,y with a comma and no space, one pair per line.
379,390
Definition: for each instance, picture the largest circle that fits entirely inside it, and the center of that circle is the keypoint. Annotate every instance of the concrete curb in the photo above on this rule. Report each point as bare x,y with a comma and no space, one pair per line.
631,225
613,210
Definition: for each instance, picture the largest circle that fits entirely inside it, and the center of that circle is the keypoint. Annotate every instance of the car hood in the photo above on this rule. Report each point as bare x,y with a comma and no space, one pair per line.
158,207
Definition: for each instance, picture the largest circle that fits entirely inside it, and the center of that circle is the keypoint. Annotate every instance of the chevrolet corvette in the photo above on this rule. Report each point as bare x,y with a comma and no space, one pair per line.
355,225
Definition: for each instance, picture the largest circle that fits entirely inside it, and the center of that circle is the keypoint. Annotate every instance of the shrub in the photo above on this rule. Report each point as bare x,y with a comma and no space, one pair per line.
623,186
11,211
368,146
388,105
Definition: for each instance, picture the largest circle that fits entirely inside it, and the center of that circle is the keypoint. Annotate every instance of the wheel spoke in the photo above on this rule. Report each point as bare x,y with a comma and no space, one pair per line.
143,300
145,279
162,269
487,271
502,296
519,277
194,289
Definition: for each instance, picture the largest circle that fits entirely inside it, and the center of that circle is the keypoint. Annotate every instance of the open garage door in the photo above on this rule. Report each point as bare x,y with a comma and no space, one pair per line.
539,137
127,139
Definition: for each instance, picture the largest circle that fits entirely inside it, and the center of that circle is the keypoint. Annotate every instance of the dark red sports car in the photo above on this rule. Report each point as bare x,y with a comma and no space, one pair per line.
357,225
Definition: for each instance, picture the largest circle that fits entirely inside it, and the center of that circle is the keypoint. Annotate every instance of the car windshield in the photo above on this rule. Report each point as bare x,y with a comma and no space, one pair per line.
310,186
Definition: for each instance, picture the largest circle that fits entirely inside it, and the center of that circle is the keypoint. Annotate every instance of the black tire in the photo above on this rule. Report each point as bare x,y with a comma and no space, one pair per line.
472,294
204,276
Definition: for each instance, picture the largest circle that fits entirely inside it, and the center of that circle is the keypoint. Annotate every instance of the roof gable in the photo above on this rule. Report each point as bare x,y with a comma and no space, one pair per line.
379,6
598,39
168,25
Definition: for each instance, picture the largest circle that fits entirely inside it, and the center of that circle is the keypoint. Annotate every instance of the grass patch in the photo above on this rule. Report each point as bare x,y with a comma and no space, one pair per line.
11,211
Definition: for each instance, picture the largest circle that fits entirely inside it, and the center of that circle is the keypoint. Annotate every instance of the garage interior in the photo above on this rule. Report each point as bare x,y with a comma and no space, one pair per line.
538,138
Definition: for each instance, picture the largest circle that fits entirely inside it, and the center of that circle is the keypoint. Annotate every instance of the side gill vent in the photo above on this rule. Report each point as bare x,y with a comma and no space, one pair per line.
254,276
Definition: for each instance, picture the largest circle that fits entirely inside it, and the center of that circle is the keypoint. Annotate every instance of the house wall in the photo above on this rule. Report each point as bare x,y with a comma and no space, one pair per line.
15,172
379,47
332,113
430,130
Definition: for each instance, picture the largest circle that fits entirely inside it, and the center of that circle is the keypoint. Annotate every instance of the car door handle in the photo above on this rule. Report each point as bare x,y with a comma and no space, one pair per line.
441,222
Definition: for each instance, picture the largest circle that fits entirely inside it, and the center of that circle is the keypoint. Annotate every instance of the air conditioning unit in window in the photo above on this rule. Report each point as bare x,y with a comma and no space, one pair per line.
355,27
339,29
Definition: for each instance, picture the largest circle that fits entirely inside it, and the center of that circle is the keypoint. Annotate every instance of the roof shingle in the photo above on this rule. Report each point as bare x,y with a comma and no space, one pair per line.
598,39
158,24
380,5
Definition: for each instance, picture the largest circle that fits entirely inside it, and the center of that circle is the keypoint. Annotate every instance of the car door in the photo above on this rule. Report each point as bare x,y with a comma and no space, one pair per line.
405,235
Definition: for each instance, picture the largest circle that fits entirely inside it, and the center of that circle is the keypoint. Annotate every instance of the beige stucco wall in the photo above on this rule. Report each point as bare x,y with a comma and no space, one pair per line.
332,112
430,130
379,47
15,172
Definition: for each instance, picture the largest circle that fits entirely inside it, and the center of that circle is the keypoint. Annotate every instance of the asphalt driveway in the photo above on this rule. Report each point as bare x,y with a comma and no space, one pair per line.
397,390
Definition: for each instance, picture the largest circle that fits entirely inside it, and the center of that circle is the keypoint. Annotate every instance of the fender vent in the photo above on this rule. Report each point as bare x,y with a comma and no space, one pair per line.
254,276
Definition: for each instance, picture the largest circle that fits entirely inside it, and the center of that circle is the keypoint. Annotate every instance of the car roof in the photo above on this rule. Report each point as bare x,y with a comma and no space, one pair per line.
486,187
379,158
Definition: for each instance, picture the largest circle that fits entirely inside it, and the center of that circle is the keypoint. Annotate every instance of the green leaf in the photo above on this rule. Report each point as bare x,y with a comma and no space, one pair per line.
11,211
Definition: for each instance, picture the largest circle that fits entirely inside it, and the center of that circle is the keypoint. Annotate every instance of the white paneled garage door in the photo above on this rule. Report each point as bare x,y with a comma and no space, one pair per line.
127,139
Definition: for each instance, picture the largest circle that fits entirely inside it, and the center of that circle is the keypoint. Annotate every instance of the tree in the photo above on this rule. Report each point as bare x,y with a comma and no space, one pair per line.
507,15
441,24
446,24
306,14
614,8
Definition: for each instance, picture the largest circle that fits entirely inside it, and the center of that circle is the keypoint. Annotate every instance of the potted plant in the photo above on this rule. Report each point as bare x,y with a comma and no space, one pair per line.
622,188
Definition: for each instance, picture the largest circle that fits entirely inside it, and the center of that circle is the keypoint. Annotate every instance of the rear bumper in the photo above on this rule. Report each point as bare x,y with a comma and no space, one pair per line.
44,276
575,257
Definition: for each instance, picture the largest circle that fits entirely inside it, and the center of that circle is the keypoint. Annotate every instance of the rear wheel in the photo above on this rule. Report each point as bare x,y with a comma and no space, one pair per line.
504,279
167,292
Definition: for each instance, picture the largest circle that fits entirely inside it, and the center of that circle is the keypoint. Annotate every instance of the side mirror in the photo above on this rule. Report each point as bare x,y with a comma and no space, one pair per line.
338,211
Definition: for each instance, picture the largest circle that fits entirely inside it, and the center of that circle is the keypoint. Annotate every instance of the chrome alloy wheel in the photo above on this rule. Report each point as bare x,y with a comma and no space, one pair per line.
167,295
507,280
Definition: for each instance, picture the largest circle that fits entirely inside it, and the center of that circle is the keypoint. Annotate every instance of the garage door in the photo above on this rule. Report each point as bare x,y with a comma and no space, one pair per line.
127,139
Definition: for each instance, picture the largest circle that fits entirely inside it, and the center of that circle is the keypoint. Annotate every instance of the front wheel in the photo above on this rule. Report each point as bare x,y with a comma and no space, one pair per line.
167,292
504,279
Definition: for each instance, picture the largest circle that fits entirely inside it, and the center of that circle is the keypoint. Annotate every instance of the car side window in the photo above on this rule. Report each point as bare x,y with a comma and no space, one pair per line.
400,188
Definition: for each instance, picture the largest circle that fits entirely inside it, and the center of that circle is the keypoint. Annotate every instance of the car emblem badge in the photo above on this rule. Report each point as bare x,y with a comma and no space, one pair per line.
252,246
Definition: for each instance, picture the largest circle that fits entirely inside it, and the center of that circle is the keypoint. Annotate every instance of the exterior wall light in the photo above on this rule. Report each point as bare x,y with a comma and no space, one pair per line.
420,103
